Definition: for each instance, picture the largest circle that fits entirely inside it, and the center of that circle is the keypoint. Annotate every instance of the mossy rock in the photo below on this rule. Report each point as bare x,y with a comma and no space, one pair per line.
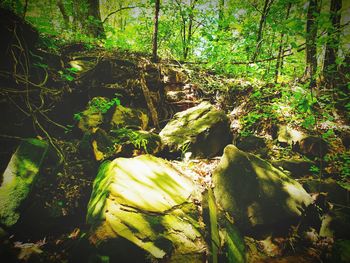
202,130
288,136
297,167
124,117
336,193
145,201
312,147
251,143
254,192
96,114
19,178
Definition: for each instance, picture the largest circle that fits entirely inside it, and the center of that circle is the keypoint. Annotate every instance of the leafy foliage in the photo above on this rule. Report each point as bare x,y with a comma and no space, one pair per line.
125,135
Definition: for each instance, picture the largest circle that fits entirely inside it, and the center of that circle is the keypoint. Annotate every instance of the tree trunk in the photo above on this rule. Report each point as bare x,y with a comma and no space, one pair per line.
155,32
95,26
279,60
63,12
221,13
264,14
186,27
332,45
311,35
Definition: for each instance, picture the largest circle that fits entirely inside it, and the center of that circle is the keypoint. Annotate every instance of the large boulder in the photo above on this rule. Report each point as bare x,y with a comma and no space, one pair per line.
146,202
202,130
19,178
254,192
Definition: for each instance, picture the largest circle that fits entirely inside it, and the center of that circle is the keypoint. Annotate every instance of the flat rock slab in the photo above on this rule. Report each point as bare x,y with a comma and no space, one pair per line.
149,203
19,177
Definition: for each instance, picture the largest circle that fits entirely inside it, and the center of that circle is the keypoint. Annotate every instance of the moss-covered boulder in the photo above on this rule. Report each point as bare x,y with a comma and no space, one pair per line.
254,192
95,114
202,130
145,201
124,117
19,178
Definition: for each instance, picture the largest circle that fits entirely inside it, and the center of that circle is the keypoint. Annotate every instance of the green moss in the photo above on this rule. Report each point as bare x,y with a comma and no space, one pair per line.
197,130
254,192
19,177
141,200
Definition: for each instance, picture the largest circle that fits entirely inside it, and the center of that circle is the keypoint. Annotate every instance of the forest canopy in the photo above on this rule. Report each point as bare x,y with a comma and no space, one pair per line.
268,39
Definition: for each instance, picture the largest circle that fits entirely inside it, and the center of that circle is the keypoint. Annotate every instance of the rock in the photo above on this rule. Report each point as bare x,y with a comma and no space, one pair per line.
102,145
251,143
124,117
146,202
312,147
336,224
254,192
297,167
174,76
129,142
202,130
335,192
19,178
288,136
81,66
345,138
174,96
94,115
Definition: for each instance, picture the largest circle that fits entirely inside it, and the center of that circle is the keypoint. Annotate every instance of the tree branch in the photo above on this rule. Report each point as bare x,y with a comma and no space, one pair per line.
120,9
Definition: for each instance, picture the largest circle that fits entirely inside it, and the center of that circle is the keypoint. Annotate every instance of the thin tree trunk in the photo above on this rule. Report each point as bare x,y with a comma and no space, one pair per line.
332,45
221,13
186,32
155,32
311,35
279,61
264,14
25,8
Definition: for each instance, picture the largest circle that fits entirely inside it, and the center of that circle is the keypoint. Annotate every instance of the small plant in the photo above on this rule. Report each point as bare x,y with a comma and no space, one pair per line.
103,105
138,139
315,170
184,148
68,74
77,116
